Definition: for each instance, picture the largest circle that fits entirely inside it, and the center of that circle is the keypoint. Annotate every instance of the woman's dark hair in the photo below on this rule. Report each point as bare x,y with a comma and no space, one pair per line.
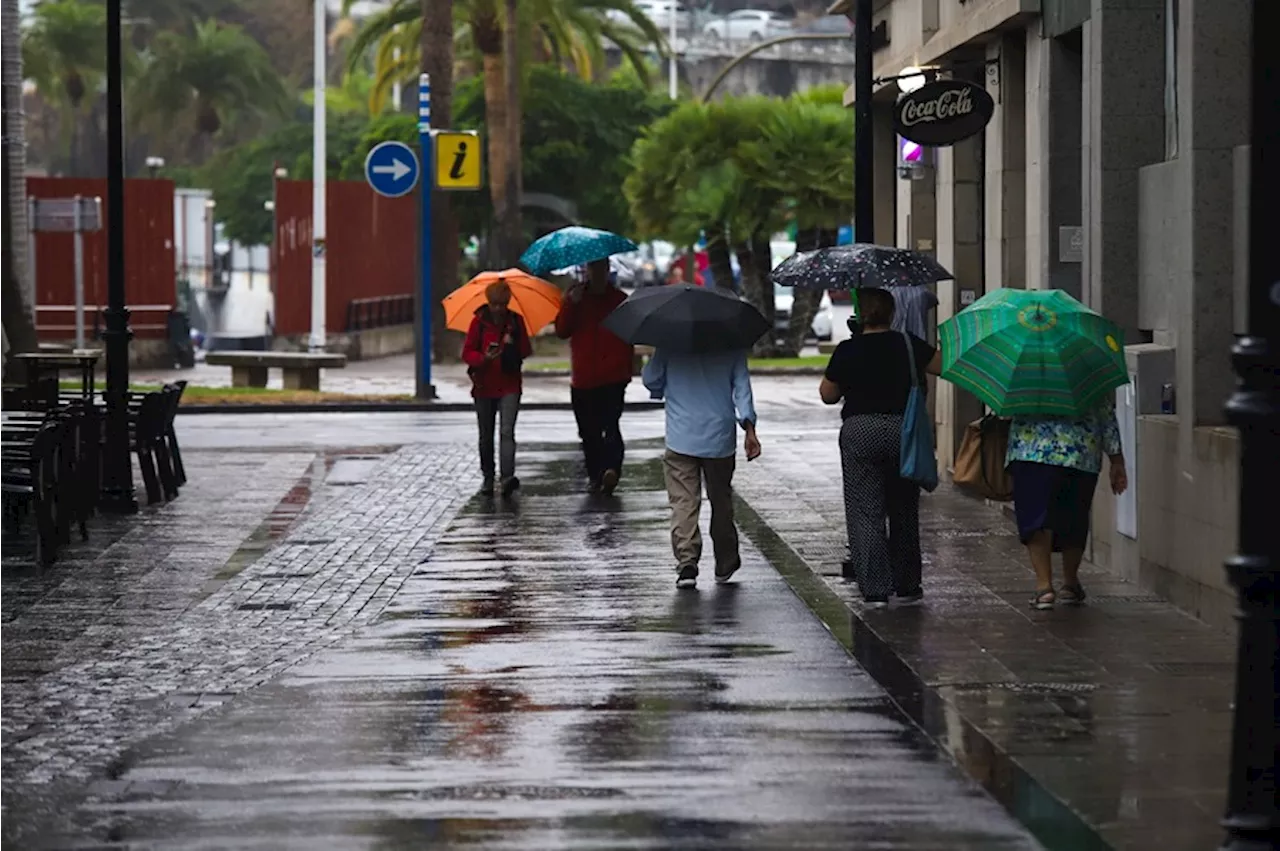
876,307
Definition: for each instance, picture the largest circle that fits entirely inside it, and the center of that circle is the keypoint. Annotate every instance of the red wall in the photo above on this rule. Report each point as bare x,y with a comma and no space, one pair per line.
371,250
149,262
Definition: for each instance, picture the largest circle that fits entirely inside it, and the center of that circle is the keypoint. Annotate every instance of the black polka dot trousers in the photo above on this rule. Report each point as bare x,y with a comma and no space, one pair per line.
882,510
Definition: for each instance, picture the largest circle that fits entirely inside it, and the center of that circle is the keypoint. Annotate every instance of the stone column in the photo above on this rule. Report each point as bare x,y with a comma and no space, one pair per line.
886,176
1213,120
1005,186
1054,130
1123,113
959,248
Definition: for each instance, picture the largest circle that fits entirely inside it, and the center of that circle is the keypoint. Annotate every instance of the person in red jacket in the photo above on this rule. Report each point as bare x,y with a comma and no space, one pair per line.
497,344
601,371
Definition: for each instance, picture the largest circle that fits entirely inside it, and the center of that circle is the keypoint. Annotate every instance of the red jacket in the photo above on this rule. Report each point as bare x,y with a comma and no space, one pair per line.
597,356
500,376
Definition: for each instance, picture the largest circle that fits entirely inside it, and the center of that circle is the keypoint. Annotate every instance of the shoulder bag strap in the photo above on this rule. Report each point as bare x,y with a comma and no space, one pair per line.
911,359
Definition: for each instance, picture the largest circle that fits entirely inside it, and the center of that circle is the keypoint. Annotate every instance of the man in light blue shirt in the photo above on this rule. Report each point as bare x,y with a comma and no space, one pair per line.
708,398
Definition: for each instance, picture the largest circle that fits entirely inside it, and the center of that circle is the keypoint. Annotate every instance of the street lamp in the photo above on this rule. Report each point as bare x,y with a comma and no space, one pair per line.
911,79
154,164
269,206
117,465
1252,819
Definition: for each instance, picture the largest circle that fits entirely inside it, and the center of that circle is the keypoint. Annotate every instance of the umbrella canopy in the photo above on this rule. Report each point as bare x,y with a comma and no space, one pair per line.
1028,352
687,319
847,267
573,246
534,299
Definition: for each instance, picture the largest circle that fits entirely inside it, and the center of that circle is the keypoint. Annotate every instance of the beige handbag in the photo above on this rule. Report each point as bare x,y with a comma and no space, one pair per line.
980,466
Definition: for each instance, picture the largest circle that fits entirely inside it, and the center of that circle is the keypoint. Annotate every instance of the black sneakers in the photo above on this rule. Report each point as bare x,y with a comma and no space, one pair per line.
510,486
609,482
723,576
911,598
687,577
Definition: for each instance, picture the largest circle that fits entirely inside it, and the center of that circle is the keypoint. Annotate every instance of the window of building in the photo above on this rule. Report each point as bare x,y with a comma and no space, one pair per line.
1170,79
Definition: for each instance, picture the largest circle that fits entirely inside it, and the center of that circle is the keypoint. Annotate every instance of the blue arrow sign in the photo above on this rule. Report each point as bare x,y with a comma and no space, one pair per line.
391,169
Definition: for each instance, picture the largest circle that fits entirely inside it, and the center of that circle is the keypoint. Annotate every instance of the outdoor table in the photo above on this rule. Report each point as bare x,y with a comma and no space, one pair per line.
39,363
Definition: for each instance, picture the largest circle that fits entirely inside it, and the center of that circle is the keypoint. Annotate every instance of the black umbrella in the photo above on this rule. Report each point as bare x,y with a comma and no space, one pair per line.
847,267
687,319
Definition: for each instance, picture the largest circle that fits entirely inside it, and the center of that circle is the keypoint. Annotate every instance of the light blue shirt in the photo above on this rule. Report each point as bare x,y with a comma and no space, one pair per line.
707,397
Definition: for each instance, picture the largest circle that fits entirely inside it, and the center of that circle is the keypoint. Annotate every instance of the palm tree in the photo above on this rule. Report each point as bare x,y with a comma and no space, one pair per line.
18,293
803,154
215,74
435,55
65,54
571,32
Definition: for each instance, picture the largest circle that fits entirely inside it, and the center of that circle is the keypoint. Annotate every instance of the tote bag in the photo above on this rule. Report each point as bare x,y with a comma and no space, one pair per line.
980,462
918,463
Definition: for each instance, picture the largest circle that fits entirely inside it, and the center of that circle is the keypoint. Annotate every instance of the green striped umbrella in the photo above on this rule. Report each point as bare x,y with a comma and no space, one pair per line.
1033,352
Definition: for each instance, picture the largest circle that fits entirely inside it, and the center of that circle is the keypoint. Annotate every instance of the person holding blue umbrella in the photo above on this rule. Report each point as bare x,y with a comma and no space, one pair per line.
573,246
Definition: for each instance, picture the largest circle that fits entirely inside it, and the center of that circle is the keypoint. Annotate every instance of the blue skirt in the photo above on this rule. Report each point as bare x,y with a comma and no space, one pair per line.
1058,499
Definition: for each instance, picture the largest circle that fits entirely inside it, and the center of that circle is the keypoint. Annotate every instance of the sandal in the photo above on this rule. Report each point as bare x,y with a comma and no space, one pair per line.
1073,595
1044,600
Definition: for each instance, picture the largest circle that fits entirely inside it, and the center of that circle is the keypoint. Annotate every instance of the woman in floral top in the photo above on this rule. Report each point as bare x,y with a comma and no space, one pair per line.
1055,462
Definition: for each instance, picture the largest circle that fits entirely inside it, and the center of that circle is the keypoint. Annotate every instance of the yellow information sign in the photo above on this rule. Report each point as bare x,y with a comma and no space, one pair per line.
457,159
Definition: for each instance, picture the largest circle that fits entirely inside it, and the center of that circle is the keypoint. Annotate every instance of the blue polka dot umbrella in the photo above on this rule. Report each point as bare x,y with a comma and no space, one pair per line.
573,246
848,267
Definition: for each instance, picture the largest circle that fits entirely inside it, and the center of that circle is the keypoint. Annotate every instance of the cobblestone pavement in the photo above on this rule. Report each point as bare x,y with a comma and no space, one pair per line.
533,680
1105,726
263,560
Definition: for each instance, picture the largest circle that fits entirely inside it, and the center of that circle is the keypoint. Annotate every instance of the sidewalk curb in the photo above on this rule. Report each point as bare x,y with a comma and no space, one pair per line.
1051,821
760,370
383,407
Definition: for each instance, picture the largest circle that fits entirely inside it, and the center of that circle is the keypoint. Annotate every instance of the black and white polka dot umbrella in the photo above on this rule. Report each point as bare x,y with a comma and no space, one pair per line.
847,267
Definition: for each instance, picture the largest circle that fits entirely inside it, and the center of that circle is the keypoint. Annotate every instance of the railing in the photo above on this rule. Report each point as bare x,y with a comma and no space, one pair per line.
379,312
57,321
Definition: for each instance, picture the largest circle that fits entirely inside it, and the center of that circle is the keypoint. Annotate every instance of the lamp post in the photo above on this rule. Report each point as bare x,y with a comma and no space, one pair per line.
863,138
318,174
117,468
671,68
1252,820
154,164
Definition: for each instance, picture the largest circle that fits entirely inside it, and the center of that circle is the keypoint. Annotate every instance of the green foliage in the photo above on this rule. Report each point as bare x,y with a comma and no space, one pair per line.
215,73
63,51
241,178
749,165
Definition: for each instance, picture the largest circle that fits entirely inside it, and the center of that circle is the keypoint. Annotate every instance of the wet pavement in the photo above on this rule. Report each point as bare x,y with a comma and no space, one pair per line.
399,663
1103,726
327,641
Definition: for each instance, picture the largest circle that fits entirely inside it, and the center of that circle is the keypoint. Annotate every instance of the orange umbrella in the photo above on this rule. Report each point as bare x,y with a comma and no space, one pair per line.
534,299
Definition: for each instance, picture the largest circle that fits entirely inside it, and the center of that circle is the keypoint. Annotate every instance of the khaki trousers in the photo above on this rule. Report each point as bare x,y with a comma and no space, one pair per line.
684,475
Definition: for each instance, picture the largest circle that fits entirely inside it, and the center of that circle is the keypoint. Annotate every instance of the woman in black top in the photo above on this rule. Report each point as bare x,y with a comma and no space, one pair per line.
871,374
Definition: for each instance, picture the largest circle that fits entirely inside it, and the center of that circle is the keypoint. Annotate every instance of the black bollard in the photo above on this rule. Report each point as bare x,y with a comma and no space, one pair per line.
1252,820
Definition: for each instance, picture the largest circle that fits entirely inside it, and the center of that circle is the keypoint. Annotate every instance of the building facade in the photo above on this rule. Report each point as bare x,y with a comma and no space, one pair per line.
1115,168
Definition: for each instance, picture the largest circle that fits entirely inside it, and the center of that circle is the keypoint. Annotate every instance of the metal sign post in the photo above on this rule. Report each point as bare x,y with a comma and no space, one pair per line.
424,388
78,215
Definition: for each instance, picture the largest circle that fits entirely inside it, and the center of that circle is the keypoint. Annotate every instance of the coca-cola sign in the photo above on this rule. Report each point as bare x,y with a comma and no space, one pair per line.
943,112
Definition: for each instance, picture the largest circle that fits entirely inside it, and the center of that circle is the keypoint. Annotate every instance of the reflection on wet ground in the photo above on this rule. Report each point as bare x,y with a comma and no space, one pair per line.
539,683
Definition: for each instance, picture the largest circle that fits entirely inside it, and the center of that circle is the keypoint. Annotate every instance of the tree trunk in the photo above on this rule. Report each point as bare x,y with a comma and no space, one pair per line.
718,258
497,122
510,219
436,50
761,266
805,302
16,305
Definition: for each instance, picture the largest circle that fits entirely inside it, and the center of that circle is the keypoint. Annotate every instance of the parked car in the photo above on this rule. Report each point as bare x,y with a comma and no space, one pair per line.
659,11
827,25
747,25
823,321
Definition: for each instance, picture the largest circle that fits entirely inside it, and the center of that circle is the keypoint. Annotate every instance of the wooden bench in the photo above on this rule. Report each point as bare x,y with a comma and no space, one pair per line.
301,369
